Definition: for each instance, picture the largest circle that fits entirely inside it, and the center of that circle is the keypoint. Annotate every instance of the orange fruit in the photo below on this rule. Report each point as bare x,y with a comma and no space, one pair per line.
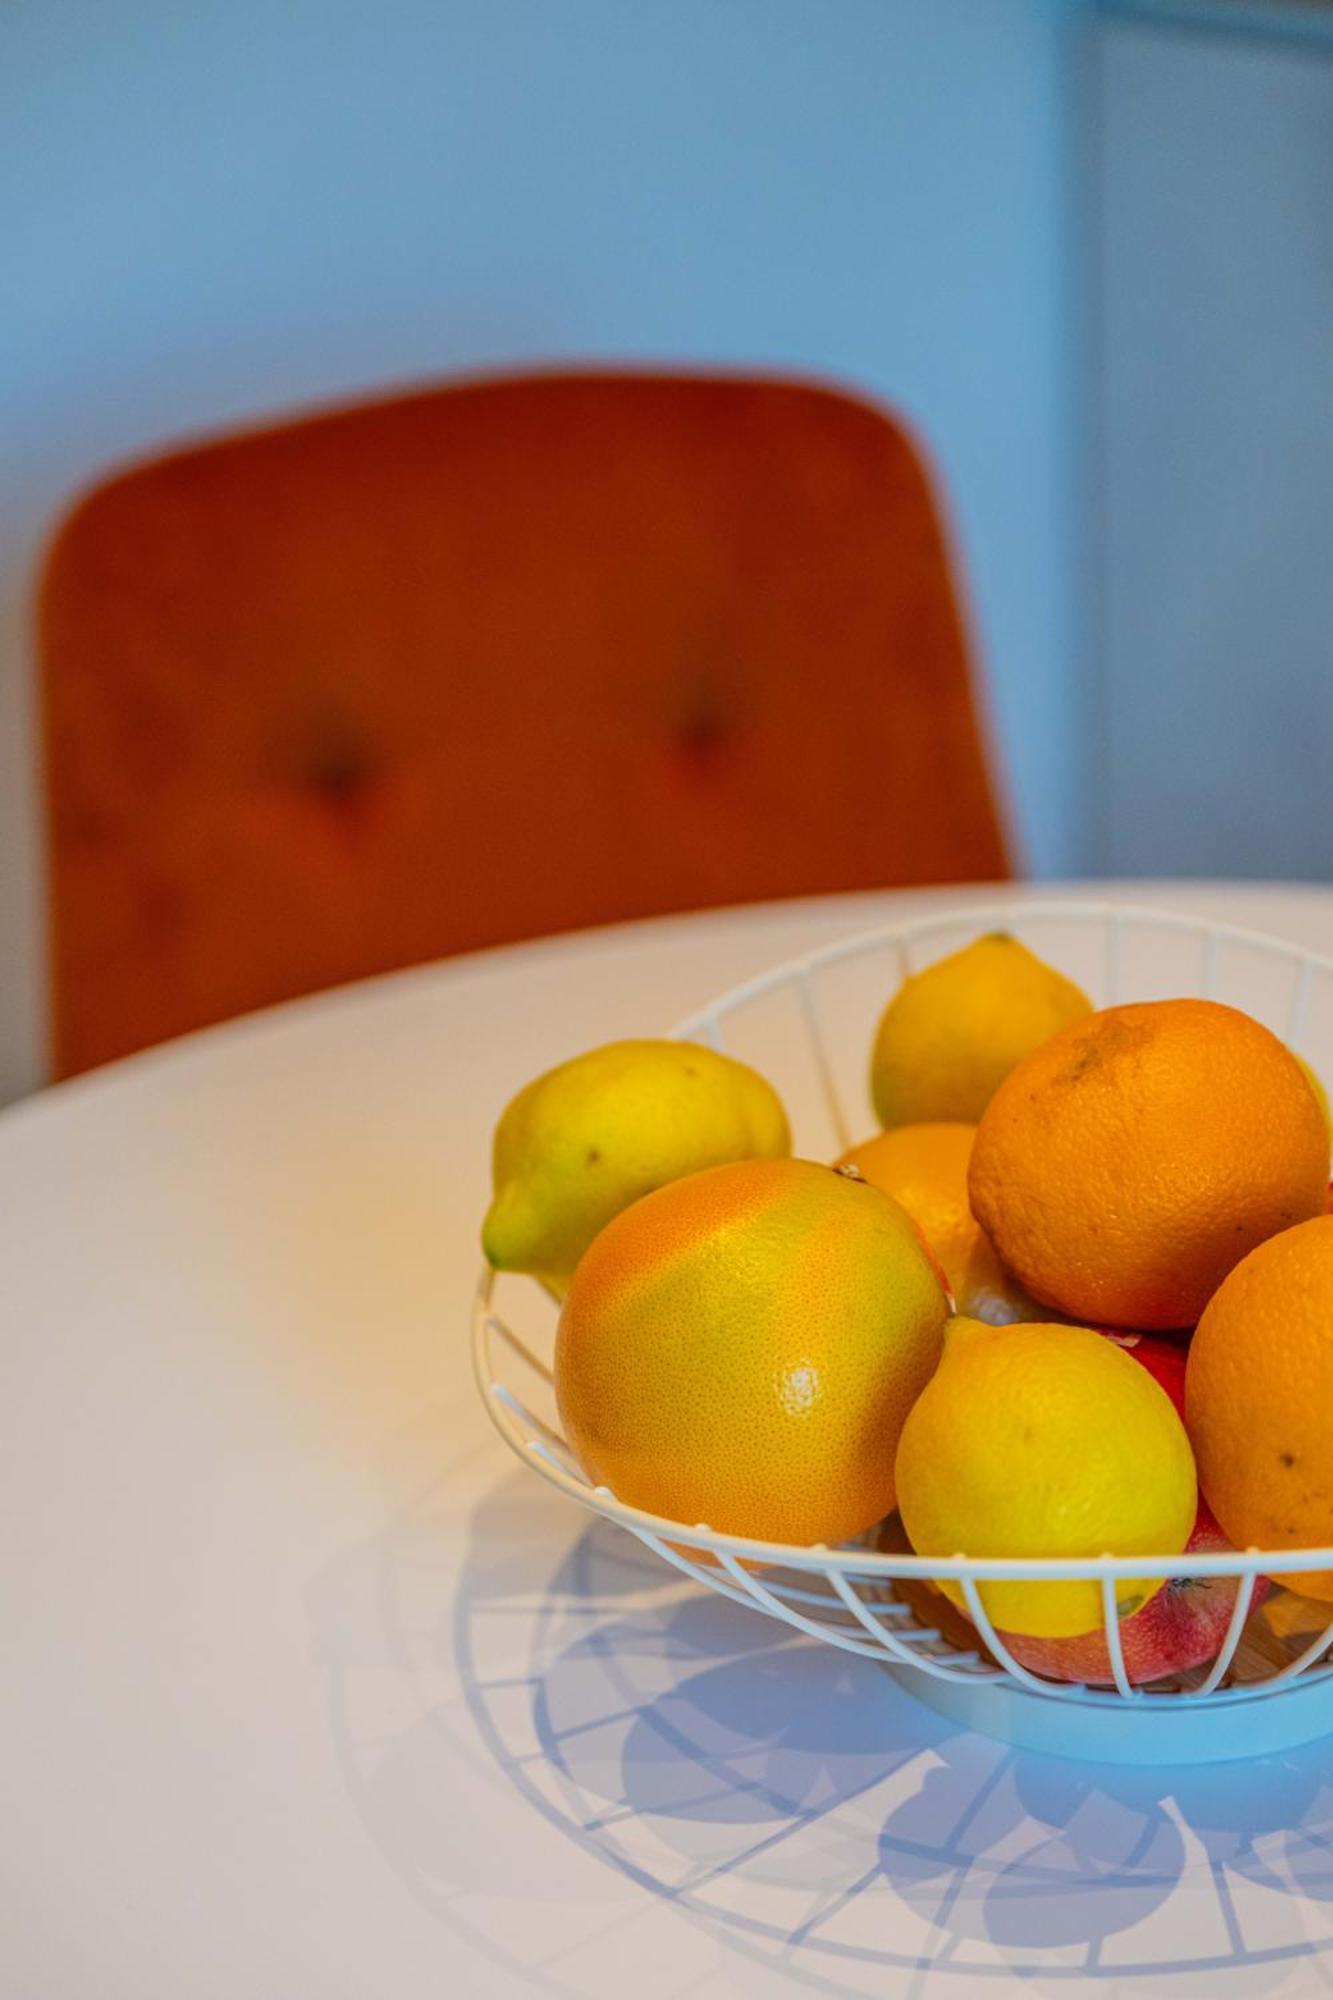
1315,1082
742,1347
1259,1398
1124,1168
925,1168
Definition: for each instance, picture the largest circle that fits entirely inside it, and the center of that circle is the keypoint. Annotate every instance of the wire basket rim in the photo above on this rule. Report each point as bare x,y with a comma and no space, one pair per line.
1057,909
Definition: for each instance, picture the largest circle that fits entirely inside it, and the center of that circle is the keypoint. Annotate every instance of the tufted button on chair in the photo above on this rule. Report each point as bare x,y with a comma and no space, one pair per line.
499,659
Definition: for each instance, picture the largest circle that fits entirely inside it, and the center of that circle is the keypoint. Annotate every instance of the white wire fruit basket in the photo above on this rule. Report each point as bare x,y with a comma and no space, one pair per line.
807,1025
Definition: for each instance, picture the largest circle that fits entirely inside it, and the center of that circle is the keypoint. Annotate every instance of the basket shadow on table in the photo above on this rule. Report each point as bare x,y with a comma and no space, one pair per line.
794,1796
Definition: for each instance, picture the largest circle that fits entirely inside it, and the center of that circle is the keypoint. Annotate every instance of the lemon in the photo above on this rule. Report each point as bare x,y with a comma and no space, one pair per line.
952,1032
581,1142
1042,1440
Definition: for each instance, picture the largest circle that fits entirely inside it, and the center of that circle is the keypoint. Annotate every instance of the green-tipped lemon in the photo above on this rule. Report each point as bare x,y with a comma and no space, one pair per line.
583,1141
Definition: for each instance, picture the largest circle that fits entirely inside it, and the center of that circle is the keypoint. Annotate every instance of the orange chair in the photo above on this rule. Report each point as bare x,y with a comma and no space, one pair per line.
499,659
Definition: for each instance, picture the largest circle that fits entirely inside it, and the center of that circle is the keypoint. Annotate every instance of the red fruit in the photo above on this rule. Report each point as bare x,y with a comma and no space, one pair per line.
1184,1625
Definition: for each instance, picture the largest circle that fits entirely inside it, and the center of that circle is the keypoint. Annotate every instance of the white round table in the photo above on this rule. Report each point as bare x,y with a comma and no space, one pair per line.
309,1690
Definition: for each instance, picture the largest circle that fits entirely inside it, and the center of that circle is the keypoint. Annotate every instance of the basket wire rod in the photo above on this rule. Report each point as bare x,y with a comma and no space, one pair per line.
995,1644
1115,933
921,1639
528,1419
896,1647
710,1031
1313,1652
793,1593
913,1635
539,1448
679,1560
824,1068
494,1324
1212,956
1299,1005
1240,1611
766,1601
1115,1651
742,1594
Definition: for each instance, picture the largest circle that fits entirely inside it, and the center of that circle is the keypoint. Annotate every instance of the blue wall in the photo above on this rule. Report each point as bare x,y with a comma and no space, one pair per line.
215,210
1216,471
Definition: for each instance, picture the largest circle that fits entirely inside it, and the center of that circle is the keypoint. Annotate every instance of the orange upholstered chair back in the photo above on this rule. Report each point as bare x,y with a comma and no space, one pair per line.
495,660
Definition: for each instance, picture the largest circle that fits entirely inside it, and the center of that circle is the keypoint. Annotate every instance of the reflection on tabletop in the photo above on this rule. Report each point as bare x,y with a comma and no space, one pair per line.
794,1800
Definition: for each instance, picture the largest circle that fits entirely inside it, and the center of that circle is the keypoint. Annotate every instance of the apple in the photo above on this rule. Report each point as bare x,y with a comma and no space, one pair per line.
1185,1623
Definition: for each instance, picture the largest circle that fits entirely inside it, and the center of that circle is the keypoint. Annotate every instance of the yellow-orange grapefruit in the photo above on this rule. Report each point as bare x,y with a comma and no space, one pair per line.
1259,1398
1124,1168
742,1348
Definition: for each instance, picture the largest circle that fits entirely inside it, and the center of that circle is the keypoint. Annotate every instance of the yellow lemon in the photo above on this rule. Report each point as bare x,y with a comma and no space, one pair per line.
952,1032
1042,1440
581,1142
924,1167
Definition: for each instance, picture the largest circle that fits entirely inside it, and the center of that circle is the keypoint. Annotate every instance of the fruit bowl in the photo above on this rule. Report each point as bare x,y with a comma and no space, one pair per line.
806,1024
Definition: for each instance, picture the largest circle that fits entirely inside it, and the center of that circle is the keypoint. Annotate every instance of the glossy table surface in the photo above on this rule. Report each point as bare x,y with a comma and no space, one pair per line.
308,1688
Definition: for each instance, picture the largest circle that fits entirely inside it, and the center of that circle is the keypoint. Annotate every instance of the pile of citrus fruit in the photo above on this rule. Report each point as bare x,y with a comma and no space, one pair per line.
1074,1299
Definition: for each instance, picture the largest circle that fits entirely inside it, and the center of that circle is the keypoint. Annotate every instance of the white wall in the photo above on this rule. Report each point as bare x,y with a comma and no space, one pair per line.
214,208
